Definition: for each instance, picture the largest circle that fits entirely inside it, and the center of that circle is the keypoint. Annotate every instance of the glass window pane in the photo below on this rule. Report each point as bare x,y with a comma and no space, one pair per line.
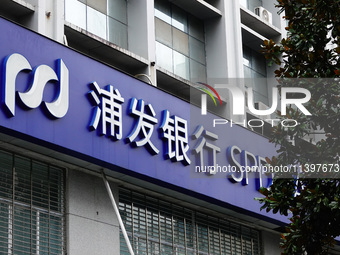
247,72
22,179
257,75
179,19
260,85
166,249
117,33
196,28
260,88
117,9
4,219
254,3
197,72
188,43
163,32
40,183
164,56
56,236
22,230
244,3
153,247
56,189
75,13
182,231
180,41
162,10
22,219
96,22
246,62
43,231
197,51
99,5
254,65
202,234
259,63
246,56
260,98
6,175
181,65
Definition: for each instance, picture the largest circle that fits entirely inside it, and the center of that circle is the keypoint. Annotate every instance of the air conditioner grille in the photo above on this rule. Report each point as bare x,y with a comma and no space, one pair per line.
263,14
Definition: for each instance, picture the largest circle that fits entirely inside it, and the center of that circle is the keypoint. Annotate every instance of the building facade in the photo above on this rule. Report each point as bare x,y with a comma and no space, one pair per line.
107,87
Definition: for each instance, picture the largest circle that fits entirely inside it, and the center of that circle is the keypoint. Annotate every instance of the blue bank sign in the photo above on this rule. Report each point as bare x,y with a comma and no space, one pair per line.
56,97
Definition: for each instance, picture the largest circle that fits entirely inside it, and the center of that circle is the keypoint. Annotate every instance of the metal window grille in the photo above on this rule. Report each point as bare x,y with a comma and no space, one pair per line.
159,227
31,206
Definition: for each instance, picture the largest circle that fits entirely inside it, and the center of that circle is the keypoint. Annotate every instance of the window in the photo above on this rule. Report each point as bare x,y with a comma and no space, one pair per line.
244,3
251,4
180,46
31,206
255,74
159,227
104,18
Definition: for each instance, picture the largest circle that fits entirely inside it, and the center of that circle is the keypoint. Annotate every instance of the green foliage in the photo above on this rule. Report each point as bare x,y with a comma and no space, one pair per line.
311,50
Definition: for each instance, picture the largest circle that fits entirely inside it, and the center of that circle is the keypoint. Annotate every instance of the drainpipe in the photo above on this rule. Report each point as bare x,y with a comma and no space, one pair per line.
115,207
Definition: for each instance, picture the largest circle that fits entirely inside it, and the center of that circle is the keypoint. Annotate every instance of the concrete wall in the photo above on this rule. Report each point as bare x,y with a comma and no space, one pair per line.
48,18
93,227
270,242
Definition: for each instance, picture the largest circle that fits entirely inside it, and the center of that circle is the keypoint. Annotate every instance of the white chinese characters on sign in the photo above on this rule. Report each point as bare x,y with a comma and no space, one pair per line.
107,119
175,132
202,135
144,125
108,109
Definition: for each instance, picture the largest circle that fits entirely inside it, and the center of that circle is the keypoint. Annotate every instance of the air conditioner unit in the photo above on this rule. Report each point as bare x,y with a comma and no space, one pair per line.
263,14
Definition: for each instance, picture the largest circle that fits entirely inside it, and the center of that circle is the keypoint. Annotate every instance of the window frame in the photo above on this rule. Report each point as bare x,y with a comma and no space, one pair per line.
43,218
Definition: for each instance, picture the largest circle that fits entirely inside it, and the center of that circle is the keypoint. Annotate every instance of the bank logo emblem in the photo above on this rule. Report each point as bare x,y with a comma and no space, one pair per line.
33,97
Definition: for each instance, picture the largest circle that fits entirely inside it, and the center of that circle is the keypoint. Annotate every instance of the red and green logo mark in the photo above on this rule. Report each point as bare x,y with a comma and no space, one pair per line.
205,89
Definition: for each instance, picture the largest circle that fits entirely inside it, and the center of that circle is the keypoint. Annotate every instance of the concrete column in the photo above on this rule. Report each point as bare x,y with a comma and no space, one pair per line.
271,243
141,33
92,224
224,51
151,41
234,38
48,18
